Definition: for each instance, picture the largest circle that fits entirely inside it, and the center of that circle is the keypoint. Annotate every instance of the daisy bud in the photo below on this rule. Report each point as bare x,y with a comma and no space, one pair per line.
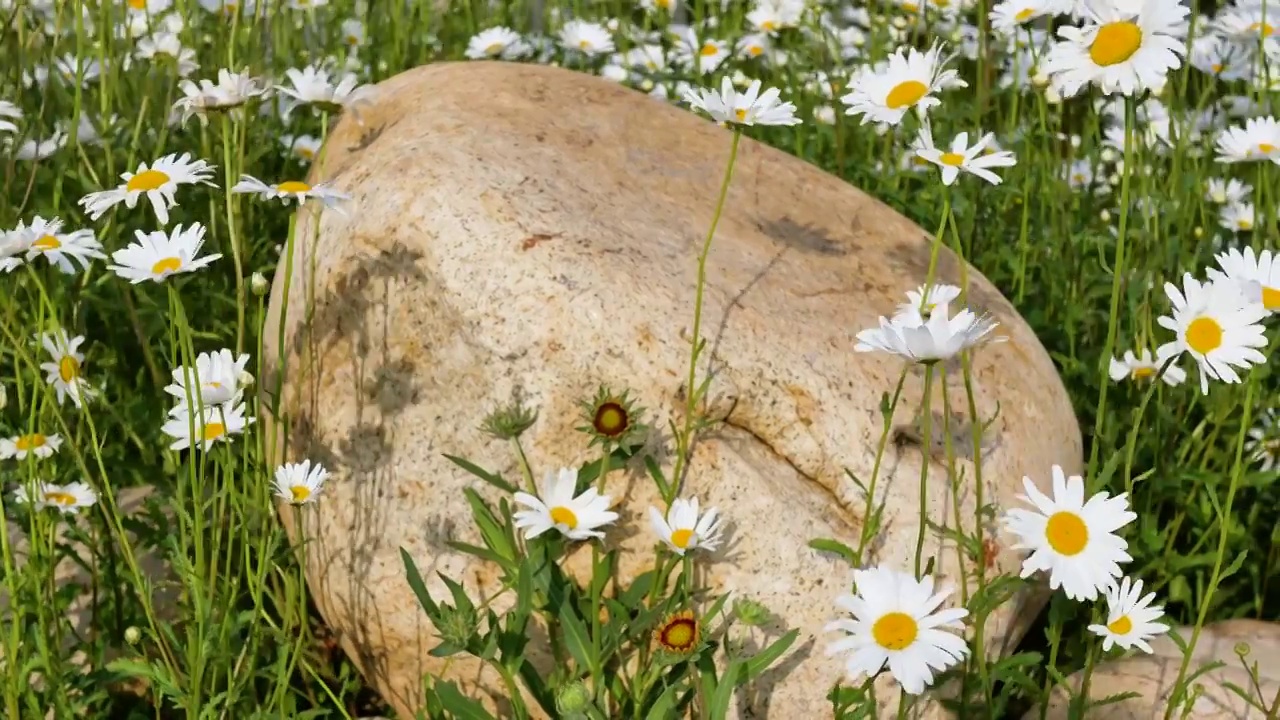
1052,95
1198,232
245,378
508,423
1241,648
132,635
740,79
1040,79
4,397
750,612
1107,155
258,284
573,699
899,23
1105,216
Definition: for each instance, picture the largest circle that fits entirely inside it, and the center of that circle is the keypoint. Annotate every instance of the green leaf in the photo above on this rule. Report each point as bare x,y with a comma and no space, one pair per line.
458,705
837,547
664,707
758,663
482,553
460,599
577,639
655,472
445,649
485,475
493,532
718,703
419,588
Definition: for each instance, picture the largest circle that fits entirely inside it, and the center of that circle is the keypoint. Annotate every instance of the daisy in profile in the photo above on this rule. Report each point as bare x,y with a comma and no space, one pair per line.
590,39
302,147
922,301
556,507
749,108
165,47
1257,275
1130,617
497,43
290,190
771,16
1249,23
155,256
1258,139
68,499
704,56
37,445
1263,444
300,483
39,148
1143,367
232,90
9,110
63,371
158,183
908,81
215,423
916,339
898,621
1073,540
13,247
45,238
352,33
313,86
962,158
1119,50
1221,191
1009,16
215,379
1217,326
1236,217
682,530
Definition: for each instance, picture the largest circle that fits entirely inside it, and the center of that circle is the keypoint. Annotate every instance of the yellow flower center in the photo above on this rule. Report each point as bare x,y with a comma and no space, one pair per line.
664,4
1115,43
68,368
952,159
1263,29
905,94
910,7
584,44
708,50
29,442
1066,532
293,186
1216,67
1270,298
1204,335
1121,626
895,630
48,242
754,50
1244,224
146,180
1024,14
305,153
562,515
169,264
493,49
681,538
1144,372
768,26
60,498
213,431
740,114
300,493
138,4
1266,148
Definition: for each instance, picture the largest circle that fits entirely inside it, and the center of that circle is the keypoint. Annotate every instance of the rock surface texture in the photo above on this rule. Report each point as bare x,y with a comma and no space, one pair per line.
1153,677
519,226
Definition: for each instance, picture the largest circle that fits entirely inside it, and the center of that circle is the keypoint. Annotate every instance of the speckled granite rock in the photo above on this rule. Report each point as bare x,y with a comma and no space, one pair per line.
514,225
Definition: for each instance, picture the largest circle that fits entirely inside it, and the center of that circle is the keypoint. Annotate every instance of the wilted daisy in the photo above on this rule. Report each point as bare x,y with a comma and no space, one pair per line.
1143,367
1258,139
45,238
914,338
897,622
1216,325
312,86
215,379
1120,49
303,147
1130,617
962,158
290,190
156,256
907,81
556,507
37,444
158,183
68,499
1263,444
1223,191
1073,540
63,371
232,90
588,38
683,530
166,47
300,483
203,428
497,43
1257,275
749,108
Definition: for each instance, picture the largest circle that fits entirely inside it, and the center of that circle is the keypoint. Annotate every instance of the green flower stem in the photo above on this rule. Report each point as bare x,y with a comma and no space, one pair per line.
926,455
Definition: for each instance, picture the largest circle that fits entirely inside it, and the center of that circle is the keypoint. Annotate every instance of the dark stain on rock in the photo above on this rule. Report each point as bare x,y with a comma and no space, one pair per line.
536,239
805,238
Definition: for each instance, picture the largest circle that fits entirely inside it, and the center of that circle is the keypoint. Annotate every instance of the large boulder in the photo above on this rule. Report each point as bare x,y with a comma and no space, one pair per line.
514,226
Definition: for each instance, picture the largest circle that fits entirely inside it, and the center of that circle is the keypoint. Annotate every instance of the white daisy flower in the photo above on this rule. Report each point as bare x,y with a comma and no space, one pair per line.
136,25
749,108
13,246
39,149
155,255
1073,540
158,183
1249,22
1236,217
1216,325
1222,191
229,8
705,55
68,499
9,110
962,158
1221,57
1009,16
914,338
300,483
1119,51
753,46
497,43
37,444
232,90
147,7
165,46
313,86
215,379
1256,275
667,6
353,33
1259,139
1263,444
45,237
770,16
1130,617
1143,367
215,423
63,372
922,301
683,530
290,190
907,81
897,621
302,147
588,38
556,507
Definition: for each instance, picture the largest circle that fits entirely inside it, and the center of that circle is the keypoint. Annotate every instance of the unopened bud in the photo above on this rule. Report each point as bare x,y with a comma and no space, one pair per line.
132,635
245,378
1198,232
1107,155
4,397
573,699
1105,216
750,612
259,285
